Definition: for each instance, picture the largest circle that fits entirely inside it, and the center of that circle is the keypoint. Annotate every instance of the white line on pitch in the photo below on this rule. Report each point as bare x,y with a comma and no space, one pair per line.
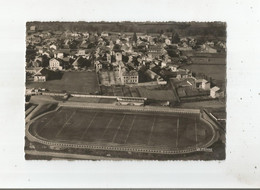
196,130
88,126
130,129
118,128
178,123
151,130
65,123
47,123
106,128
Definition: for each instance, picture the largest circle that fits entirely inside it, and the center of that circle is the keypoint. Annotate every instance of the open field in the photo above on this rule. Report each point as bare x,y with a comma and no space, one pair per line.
120,91
109,78
73,82
122,128
157,94
216,72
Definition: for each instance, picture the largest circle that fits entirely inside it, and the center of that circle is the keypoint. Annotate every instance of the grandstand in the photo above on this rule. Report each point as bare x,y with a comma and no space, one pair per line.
136,101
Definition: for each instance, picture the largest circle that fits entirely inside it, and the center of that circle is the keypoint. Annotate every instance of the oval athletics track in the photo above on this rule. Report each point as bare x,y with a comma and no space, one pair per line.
130,148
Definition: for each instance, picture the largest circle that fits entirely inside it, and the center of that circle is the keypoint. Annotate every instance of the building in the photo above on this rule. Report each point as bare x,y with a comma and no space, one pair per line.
155,51
33,70
207,49
167,41
202,84
134,101
214,92
104,34
118,56
33,28
183,73
55,64
98,65
81,52
53,46
129,77
42,75
205,85
108,58
174,68
59,55
151,74
163,64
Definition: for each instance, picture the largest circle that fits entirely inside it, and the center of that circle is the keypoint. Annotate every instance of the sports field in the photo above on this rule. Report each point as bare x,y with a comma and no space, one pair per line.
117,128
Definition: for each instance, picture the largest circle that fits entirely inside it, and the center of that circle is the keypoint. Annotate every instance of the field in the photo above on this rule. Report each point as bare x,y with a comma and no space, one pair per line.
166,95
120,91
109,78
217,72
122,128
73,82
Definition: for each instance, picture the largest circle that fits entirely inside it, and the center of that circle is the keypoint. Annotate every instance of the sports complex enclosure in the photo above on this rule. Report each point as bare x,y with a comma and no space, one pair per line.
150,131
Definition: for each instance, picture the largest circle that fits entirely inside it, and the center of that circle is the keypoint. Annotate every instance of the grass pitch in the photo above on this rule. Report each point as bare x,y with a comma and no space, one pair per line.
82,126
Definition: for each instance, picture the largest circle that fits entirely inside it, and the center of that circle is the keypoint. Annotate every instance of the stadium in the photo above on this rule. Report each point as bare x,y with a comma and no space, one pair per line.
148,130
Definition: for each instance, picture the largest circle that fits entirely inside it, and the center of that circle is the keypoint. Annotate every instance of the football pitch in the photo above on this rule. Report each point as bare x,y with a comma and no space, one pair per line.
127,128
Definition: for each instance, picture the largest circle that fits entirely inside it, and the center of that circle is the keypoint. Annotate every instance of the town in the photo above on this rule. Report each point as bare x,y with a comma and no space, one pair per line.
165,69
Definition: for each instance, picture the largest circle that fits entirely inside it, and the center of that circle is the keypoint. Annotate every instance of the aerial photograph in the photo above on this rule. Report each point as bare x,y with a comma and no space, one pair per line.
125,91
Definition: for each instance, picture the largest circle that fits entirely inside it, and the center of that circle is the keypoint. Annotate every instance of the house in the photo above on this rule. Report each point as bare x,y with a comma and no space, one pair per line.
98,65
59,55
118,56
79,62
37,63
104,34
207,49
48,54
32,28
151,74
76,63
205,85
167,41
198,82
53,46
81,52
108,58
129,77
155,51
183,73
173,68
33,70
55,64
214,92
42,75
163,64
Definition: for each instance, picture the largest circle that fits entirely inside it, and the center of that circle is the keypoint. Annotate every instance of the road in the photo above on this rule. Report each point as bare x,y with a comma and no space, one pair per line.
71,156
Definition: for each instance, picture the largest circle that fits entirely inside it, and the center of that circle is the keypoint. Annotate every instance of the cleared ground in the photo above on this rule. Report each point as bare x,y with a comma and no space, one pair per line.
73,82
217,72
82,126
120,91
109,78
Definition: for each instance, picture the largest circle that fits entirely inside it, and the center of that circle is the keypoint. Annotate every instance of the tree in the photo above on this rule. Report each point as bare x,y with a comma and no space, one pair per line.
45,61
125,58
175,38
30,53
135,37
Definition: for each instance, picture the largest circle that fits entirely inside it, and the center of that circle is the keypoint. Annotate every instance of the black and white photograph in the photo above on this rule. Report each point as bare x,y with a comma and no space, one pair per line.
129,94
125,90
